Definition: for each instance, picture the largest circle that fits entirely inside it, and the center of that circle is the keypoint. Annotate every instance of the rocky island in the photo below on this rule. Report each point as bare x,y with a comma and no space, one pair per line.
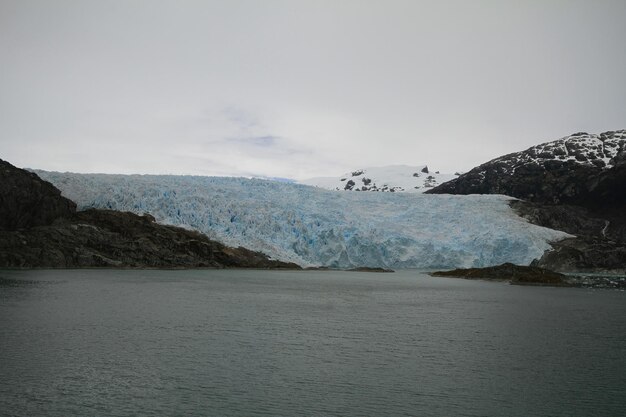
515,274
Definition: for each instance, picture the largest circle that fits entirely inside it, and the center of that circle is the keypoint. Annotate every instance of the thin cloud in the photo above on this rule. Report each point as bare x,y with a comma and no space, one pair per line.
257,141
259,88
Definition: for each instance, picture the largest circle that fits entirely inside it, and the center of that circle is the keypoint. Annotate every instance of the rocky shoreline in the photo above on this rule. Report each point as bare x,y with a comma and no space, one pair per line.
535,276
514,274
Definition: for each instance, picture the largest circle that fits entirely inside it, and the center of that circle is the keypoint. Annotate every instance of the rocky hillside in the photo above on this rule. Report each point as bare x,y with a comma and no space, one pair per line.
27,201
567,170
576,184
42,229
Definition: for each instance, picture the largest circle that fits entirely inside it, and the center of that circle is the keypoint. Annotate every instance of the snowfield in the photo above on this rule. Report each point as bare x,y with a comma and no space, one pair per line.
393,178
312,226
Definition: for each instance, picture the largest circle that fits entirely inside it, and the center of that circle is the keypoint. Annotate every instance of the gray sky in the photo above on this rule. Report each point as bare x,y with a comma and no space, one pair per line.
301,88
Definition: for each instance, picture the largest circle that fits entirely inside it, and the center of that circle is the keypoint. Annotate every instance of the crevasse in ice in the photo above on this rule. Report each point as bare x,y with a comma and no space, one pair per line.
312,226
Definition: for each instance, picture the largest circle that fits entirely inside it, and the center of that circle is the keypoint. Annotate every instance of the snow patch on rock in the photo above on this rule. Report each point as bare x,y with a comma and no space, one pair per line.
596,150
395,178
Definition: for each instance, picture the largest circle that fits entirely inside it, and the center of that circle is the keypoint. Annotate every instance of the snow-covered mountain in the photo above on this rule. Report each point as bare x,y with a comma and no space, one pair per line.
402,178
312,226
561,171
582,148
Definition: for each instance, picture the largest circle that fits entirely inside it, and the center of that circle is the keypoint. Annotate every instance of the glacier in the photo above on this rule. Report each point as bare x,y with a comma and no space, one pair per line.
317,227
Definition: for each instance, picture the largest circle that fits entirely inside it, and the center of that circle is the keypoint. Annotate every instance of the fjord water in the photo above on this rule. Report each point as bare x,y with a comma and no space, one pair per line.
286,343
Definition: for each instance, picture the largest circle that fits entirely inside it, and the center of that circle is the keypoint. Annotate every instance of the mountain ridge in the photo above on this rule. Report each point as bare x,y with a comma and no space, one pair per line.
560,171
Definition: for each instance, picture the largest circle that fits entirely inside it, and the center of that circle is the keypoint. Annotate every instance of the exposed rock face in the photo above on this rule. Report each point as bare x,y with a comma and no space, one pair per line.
598,220
607,187
26,200
567,170
575,220
582,255
516,274
50,234
600,245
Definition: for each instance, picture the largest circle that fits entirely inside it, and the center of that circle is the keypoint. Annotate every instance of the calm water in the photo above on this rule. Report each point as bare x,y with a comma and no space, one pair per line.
251,343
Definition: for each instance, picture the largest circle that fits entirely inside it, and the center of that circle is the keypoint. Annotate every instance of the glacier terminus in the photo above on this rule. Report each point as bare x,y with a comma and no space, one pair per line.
317,227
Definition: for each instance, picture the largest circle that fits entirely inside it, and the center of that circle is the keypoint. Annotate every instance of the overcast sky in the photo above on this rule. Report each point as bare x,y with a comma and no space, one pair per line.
301,88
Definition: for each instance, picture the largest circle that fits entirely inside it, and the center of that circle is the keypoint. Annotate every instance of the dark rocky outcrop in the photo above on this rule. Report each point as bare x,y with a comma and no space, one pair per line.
597,218
582,255
576,220
53,235
599,246
27,201
515,274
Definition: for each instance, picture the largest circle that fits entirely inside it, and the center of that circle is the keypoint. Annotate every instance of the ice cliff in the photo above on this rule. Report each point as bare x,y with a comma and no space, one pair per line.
312,226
